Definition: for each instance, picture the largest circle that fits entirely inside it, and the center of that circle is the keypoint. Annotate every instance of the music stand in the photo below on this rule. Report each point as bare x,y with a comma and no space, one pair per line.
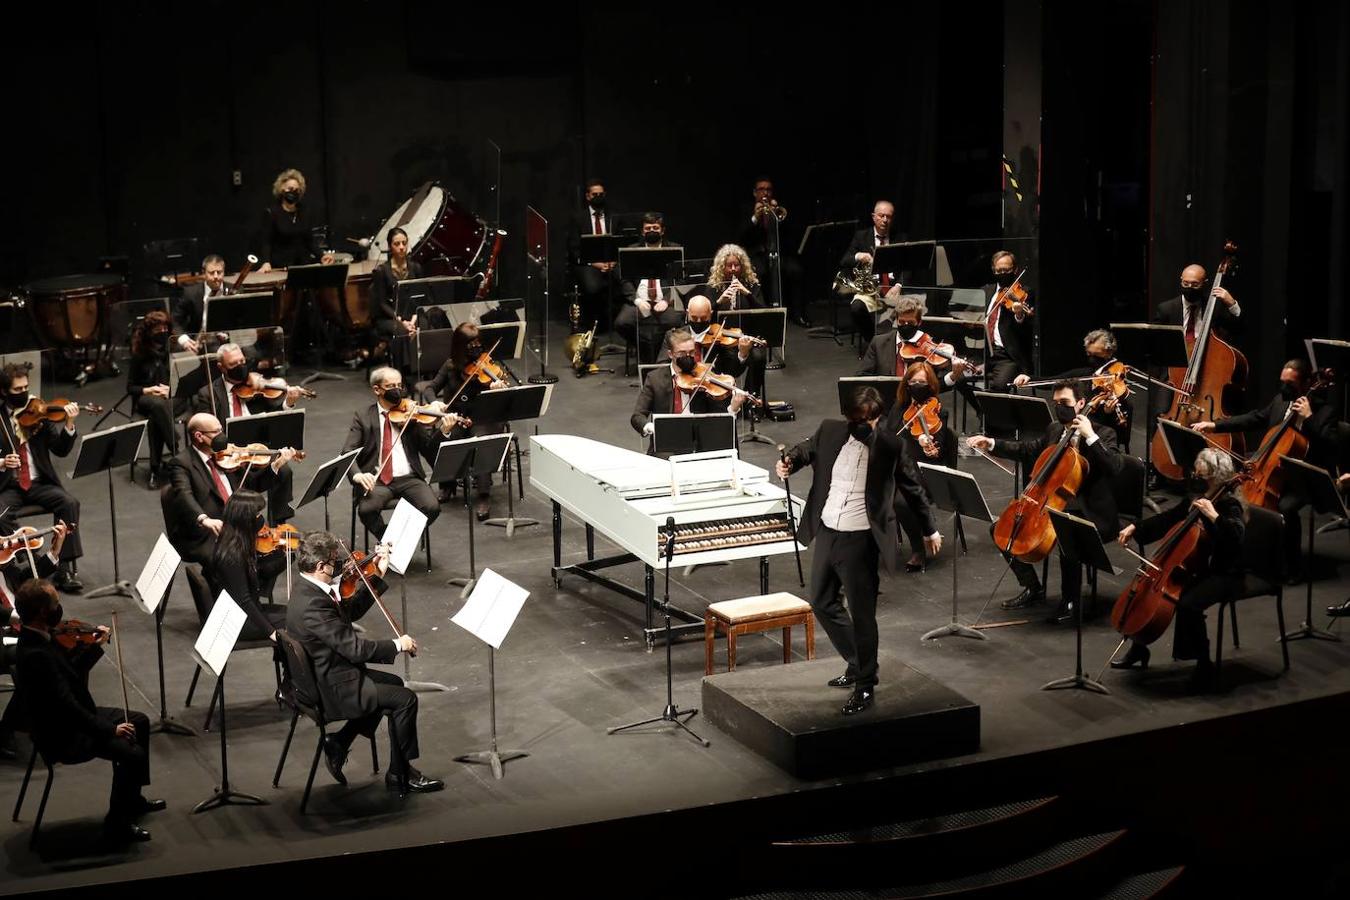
1160,347
1320,488
888,386
103,451
412,294
958,493
464,460
1327,353
692,432
827,240
432,344
508,336
309,279
1021,415
603,248
152,590
188,374
513,404
280,428
536,261
239,312
637,263
1078,540
488,615
325,481
1183,445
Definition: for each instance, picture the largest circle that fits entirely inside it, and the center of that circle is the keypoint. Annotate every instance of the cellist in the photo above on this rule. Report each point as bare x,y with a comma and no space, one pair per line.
1095,501
1224,519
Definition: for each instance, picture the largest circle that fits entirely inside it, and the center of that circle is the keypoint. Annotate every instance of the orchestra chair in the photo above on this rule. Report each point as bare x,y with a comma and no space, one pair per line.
203,601
300,692
393,501
748,615
46,792
1264,578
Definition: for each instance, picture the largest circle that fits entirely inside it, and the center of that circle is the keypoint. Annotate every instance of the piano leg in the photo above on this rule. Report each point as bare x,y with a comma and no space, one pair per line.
649,588
590,542
763,574
557,543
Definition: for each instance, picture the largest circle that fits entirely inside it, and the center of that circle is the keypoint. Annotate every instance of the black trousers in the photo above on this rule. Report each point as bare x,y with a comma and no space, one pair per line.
400,704
1070,575
408,487
848,559
160,432
1290,506
279,494
55,500
1190,638
864,324
1001,370
130,759
595,291
645,333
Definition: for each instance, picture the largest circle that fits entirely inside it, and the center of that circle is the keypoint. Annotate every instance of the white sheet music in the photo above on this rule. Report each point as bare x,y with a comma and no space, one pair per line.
492,608
220,633
403,534
158,572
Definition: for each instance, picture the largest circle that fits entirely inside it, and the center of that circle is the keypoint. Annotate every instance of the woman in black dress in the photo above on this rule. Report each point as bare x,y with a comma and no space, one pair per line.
237,568
384,287
287,237
148,385
919,384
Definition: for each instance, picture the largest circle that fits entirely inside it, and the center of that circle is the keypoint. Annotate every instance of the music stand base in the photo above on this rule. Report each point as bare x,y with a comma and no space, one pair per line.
116,589
754,437
426,687
511,523
170,725
672,715
321,376
826,331
466,583
494,758
1075,682
227,797
1308,630
954,629
543,379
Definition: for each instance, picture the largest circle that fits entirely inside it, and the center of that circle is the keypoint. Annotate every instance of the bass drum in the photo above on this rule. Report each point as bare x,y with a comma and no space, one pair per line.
72,311
443,236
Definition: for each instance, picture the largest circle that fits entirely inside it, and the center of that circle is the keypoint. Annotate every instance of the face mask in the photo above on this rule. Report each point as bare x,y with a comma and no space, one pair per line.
475,350
651,237
920,392
1005,279
393,396
161,339
685,364
907,332
1193,294
1288,390
698,327
238,374
220,442
1064,413
55,615
291,197
598,201
17,401
861,431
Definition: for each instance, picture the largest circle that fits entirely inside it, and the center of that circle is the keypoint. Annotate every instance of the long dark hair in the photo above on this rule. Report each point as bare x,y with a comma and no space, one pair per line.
465,334
234,547
155,320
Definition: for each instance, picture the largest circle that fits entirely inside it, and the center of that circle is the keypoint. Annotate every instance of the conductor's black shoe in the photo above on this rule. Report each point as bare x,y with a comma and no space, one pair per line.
334,757
841,681
66,582
416,783
1137,655
124,833
860,699
1028,597
1337,611
148,806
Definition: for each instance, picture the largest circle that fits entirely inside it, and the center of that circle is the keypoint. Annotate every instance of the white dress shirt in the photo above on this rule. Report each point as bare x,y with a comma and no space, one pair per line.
846,506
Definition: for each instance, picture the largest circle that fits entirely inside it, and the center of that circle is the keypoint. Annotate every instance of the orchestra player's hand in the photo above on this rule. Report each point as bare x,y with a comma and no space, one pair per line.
496,385
213,525
382,559
1227,298
127,731
157,390
743,347
366,480
1084,426
932,544
737,402
648,429
1205,507
1019,381
12,461
284,455
59,532
292,395
327,258
265,267
980,442
959,371
1343,482
660,306
72,410
406,644
1126,534
863,258
1302,408
189,344
1020,310
782,468
1202,427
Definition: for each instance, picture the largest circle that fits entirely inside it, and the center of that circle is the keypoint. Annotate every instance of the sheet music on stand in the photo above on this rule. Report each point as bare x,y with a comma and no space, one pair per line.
156,575
403,534
220,633
491,609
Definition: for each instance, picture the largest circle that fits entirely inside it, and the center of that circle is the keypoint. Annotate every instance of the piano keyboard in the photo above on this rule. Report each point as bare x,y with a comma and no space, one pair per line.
719,534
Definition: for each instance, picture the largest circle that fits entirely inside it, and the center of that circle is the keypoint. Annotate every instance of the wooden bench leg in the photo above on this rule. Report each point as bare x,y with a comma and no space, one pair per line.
810,637
787,644
732,631
709,638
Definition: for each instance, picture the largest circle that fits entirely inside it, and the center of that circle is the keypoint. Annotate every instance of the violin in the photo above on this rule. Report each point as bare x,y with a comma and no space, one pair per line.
1024,529
72,634
720,335
717,386
1110,387
924,422
234,456
1013,293
1266,475
356,571
38,411
935,353
424,415
26,538
270,539
486,369
270,388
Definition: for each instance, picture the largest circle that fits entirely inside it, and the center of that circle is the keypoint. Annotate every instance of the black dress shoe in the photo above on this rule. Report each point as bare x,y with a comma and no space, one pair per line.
915,567
482,509
416,783
66,582
860,699
1202,677
154,481
1063,614
334,757
148,806
1028,597
841,681
1137,655
1337,611
801,321
124,833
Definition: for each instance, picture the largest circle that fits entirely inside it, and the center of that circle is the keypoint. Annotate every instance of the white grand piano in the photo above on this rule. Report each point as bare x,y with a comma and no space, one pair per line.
724,509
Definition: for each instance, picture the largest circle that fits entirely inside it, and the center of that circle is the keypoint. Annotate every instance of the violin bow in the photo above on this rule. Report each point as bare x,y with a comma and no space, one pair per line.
398,632
992,460
117,639
470,378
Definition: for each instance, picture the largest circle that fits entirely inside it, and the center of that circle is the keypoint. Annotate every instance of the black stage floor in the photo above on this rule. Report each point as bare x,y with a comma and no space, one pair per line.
576,663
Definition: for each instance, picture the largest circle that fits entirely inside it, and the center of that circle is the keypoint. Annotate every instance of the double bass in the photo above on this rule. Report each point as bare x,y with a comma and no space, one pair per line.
1214,366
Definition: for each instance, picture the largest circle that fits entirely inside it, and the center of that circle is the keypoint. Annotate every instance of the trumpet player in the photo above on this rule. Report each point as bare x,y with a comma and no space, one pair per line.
764,239
859,256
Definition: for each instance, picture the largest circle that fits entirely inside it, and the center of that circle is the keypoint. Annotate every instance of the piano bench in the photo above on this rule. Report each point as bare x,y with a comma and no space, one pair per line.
751,614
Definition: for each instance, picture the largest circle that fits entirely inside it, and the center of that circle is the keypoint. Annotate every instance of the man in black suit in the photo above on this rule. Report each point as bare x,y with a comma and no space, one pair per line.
68,727
1187,308
1009,334
189,308
857,465
1100,347
389,466
698,317
764,239
194,501
659,394
645,299
859,252
883,356
27,474
12,575
1314,418
321,620
596,282
1096,499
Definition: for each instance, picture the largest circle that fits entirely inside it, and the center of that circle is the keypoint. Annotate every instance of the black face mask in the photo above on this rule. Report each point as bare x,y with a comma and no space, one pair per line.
907,332
920,392
698,327
393,396
1065,414
219,442
1193,294
238,374
597,202
291,197
1288,390
1005,279
160,339
475,350
17,401
861,431
651,237
685,364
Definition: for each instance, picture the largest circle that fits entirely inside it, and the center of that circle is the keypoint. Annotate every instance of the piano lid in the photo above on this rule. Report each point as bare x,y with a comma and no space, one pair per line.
630,472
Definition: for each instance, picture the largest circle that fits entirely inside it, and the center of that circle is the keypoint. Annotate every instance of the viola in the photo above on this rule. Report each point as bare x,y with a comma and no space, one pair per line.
485,369
935,353
26,538
1266,481
1024,529
1110,388
270,388
924,422
234,456
1013,293
720,335
72,634
356,571
270,539
425,415
39,410
715,385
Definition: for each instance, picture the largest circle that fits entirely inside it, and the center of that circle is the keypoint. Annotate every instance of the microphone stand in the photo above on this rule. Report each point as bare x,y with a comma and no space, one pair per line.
671,713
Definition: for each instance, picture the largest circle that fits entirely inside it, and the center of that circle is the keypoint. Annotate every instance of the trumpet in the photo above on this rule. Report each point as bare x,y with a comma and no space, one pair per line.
772,208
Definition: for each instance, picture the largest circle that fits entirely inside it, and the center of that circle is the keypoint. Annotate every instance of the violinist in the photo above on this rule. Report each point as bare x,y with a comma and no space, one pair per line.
389,465
237,568
321,620
384,287
28,476
148,385
661,392
885,352
233,378
1100,347
1224,521
1009,332
13,574
454,382
926,438
1188,308
1095,499
190,308
645,299
68,727
1314,418
698,319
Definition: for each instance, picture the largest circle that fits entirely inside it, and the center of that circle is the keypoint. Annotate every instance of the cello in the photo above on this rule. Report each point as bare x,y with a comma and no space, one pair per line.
1266,477
1214,366
1024,529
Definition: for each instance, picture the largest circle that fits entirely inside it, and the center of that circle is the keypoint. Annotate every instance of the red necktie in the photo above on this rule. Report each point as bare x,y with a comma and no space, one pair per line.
386,450
899,360
599,225
991,324
25,477
234,402
219,479
885,276
1190,324
679,398
651,288
698,353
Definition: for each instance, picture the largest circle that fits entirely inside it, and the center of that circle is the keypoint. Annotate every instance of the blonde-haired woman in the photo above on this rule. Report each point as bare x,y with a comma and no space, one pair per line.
287,237
732,282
